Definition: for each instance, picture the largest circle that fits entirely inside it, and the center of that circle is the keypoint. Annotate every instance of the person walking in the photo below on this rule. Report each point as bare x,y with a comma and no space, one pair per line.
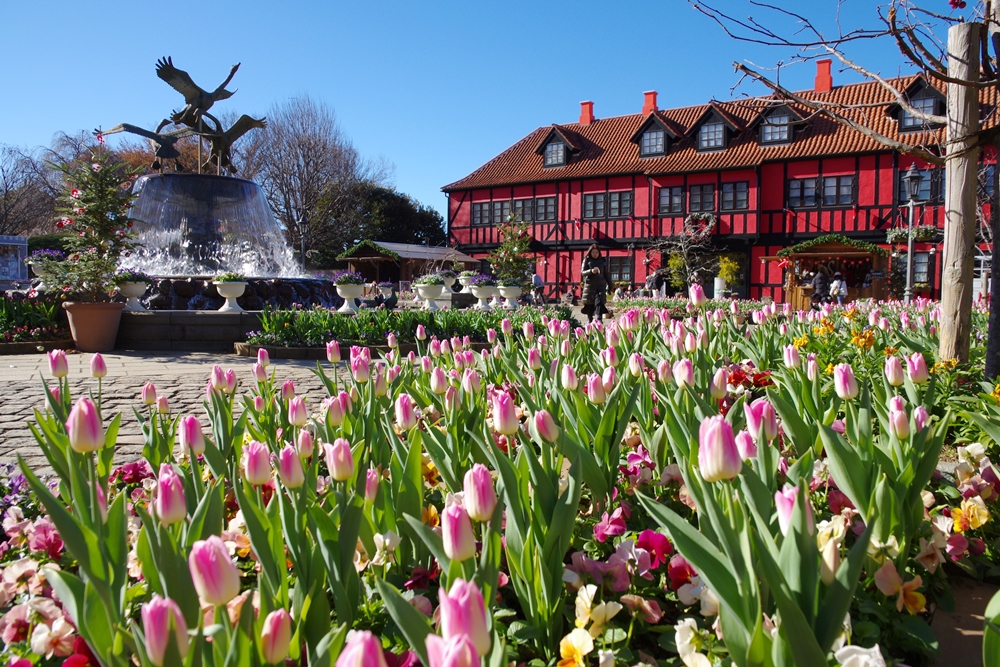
838,288
595,283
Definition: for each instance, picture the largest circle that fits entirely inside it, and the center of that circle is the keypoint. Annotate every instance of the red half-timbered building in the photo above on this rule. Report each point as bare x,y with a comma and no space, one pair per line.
771,173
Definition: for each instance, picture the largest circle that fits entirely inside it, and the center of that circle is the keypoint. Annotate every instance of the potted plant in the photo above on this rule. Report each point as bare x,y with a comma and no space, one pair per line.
230,286
483,287
37,264
728,274
350,286
386,288
510,290
94,203
132,284
465,278
430,287
448,276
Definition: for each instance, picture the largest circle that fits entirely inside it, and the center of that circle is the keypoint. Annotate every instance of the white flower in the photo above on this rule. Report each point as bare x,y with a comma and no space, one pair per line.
55,640
605,658
878,550
385,545
855,656
686,637
971,454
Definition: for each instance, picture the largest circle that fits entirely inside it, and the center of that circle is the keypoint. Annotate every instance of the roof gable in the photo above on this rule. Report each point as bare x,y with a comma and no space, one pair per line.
655,120
715,111
562,134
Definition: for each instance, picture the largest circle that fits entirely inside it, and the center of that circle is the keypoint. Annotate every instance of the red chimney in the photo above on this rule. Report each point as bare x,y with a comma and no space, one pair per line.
824,81
649,104
586,113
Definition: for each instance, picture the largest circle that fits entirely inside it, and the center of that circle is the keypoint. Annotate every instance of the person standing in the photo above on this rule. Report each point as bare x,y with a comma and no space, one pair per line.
838,288
595,283
821,287
537,290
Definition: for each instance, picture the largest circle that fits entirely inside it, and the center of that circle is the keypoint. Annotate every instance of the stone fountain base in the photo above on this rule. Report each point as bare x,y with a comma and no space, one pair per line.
184,330
199,293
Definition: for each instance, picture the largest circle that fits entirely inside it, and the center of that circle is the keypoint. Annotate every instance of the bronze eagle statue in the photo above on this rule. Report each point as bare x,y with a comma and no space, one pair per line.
198,101
162,143
222,142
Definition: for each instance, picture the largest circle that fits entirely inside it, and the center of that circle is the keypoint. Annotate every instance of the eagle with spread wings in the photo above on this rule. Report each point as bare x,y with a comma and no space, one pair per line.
222,143
198,101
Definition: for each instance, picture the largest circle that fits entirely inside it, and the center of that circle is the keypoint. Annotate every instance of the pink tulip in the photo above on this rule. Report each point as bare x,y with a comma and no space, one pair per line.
506,327
534,359
594,389
54,392
98,368
360,369
456,652
333,352
917,368
456,532
745,445
263,357
471,382
720,384
452,400
259,373
231,381
435,348
304,444
339,459
529,330
544,426
664,372
162,620
276,636
333,413
761,420
391,342
568,379
287,390
169,502
162,406
148,394
899,424
363,649
792,358
920,417
290,467
844,382
491,336
256,469
894,371
426,364
58,365
812,368
636,364
718,456
505,419
480,495
439,381
215,577
784,501
697,295
421,332
463,613
371,485
297,411
608,379
683,372
86,433
406,416
218,378
192,439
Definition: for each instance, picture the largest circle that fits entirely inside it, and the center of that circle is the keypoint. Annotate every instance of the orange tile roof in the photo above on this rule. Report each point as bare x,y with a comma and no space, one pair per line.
605,147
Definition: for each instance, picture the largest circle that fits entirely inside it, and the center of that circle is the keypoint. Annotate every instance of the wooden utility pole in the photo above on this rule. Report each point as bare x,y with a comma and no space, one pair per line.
962,157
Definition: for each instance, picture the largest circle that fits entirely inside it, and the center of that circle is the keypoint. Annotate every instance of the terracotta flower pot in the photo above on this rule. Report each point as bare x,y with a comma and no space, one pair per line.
94,325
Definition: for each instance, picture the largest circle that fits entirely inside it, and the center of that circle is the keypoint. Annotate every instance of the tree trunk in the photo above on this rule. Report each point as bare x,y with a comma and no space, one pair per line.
960,198
993,334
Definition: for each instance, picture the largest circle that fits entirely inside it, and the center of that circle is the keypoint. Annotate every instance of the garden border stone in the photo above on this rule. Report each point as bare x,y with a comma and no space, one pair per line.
31,347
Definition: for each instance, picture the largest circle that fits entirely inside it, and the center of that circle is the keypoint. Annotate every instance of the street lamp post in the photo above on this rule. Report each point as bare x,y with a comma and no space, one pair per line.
912,181
303,230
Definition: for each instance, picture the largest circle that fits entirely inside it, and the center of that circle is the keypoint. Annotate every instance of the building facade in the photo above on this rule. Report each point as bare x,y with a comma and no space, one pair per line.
765,174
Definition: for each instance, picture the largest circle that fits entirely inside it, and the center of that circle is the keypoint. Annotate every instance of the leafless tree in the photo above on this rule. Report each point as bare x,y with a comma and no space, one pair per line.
956,52
26,204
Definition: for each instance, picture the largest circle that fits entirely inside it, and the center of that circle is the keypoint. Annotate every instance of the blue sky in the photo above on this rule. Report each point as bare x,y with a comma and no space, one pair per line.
437,88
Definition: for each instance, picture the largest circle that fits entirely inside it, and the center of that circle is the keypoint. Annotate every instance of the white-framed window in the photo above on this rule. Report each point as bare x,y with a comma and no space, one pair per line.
555,154
652,142
776,128
712,135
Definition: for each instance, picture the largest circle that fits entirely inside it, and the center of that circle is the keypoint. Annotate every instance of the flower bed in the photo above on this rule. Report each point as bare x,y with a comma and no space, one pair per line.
645,490
30,318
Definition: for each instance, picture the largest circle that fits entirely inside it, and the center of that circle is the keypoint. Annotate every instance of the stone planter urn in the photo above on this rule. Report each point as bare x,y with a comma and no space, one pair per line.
349,293
719,287
385,291
449,281
132,292
509,295
41,274
483,293
230,292
464,281
94,325
429,293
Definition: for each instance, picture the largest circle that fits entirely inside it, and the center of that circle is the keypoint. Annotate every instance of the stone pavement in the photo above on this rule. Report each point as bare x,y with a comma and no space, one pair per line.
179,376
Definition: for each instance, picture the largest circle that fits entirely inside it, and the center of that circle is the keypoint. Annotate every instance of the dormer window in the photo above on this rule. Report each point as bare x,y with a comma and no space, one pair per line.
712,135
927,105
652,142
555,154
776,129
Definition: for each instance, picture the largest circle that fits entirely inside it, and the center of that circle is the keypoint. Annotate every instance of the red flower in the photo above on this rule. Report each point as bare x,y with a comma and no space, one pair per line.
679,571
658,546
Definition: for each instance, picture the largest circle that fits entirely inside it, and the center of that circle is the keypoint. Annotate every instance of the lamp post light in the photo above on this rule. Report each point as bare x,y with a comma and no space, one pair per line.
911,181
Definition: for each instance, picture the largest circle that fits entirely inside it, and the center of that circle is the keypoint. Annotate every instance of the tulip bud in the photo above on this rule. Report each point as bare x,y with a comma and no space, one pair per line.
162,620
544,426
98,368
920,417
608,379
371,485
148,394
406,416
391,341
491,336
456,532
844,382
304,443
917,368
256,468
506,327
259,373
333,352
231,381
435,348
290,467
745,445
718,457
697,295
86,433
505,419
594,389
339,459
829,562
636,364
439,381
664,372
380,385
471,382
426,364
894,371
421,332
218,378
169,502
58,365
455,652
464,613
263,357
529,330
452,399
568,378
534,358
792,358
899,424
297,411
784,501
480,495
216,579
54,392
287,390
192,439
683,371
762,423
720,384
361,369
276,636
162,406
363,649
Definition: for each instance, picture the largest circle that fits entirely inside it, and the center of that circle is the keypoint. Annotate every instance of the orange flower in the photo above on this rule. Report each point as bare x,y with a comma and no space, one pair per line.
430,516
890,583
971,515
